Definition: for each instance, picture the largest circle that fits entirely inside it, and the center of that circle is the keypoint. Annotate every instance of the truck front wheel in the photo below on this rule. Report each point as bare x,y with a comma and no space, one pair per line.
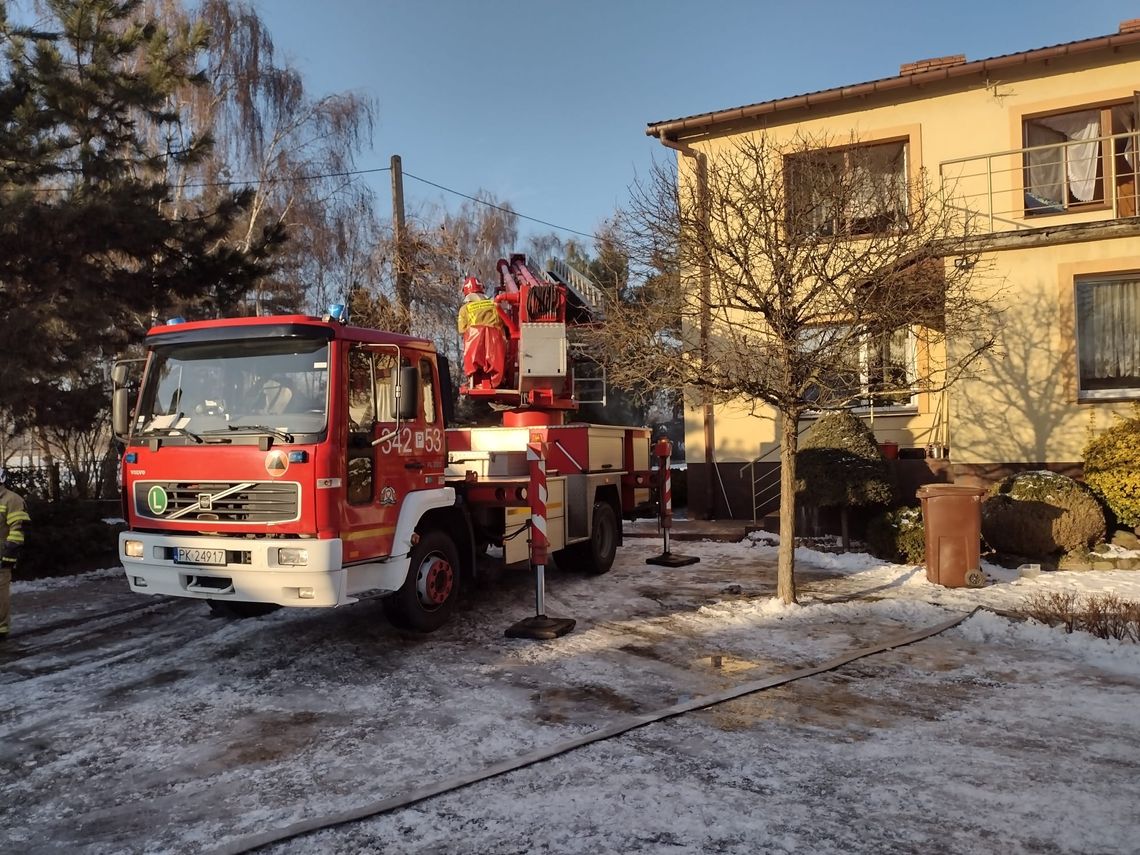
595,556
429,593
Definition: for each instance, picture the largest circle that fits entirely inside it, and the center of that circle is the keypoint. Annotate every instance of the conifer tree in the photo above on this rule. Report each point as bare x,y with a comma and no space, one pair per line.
91,253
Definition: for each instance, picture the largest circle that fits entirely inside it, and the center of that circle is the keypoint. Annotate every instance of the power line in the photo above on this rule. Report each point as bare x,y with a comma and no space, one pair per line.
500,208
346,174
351,173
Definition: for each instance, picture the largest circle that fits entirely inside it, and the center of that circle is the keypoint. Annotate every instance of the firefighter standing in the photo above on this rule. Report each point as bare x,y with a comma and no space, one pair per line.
13,516
484,348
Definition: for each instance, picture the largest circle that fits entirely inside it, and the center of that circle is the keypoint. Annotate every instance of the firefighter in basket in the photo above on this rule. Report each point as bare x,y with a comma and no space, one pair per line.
484,345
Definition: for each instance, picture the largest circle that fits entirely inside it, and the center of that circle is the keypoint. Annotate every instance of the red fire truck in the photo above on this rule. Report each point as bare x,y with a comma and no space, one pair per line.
302,461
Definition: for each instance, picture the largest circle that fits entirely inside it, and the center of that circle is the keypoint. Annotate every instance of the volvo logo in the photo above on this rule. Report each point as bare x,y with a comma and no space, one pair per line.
205,502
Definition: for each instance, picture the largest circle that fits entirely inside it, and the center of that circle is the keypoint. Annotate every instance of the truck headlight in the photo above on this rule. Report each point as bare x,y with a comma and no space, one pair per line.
133,548
291,557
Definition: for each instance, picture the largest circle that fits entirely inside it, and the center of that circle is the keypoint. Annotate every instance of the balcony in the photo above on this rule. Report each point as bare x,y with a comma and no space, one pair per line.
1066,183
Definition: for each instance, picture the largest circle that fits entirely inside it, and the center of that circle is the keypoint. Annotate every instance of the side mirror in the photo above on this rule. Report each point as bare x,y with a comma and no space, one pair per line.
120,400
407,393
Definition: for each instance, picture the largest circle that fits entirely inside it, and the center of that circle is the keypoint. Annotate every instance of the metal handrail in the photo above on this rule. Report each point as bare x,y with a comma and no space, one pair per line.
1027,148
1017,217
763,495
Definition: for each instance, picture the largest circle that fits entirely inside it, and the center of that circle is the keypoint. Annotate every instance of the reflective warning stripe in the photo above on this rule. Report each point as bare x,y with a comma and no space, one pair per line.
536,457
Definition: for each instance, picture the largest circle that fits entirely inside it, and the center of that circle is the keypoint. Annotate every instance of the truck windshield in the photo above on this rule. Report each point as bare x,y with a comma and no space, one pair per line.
208,390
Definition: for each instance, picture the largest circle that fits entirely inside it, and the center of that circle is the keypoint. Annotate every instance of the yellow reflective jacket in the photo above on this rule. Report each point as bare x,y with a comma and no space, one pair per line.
13,515
478,313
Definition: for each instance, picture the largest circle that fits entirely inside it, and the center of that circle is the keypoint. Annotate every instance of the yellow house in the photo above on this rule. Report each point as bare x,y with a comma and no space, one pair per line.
1042,146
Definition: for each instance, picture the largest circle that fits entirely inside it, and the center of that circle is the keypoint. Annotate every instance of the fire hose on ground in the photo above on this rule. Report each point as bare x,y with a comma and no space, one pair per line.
458,782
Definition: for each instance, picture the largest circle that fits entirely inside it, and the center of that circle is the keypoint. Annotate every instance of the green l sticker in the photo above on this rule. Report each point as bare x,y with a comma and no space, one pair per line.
156,500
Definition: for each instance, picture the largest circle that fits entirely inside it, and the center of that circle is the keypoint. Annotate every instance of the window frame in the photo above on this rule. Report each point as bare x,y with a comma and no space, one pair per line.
839,228
1106,148
1093,396
866,404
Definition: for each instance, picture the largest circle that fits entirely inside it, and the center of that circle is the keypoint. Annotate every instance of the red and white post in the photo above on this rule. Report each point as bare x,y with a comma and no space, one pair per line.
539,536
540,626
663,451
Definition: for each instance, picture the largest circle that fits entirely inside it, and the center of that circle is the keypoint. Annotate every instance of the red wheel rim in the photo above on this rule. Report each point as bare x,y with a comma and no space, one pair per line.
434,581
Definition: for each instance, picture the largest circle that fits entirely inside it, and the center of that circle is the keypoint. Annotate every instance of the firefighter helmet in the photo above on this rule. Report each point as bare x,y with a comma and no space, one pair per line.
471,285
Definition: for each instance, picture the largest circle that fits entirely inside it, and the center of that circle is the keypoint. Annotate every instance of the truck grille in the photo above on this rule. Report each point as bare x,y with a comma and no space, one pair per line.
218,502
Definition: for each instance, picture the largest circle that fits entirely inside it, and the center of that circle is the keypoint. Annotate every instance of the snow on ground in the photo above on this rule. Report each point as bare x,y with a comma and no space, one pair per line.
131,725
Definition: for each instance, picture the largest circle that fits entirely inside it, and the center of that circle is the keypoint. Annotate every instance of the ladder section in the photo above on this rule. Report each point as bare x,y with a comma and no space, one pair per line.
589,377
581,286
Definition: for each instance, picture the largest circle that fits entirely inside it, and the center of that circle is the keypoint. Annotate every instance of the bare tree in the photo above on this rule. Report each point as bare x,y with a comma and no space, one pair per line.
446,247
292,150
780,273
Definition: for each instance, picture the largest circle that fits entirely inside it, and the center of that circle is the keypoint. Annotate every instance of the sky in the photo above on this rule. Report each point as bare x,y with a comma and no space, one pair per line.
133,724
544,104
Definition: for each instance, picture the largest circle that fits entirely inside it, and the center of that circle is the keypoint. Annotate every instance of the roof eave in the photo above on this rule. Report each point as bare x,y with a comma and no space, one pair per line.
703,123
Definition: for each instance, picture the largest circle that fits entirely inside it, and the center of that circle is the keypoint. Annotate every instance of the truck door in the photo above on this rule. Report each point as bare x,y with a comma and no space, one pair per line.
411,455
408,453
370,509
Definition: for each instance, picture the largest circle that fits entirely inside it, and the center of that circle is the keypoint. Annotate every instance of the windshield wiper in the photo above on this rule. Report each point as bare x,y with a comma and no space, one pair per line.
173,430
277,433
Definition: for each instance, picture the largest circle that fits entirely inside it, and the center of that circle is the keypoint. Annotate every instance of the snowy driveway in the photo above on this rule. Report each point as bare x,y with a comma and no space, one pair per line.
163,729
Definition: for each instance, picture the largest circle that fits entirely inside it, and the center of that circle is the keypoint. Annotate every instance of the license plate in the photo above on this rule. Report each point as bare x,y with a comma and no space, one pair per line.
196,555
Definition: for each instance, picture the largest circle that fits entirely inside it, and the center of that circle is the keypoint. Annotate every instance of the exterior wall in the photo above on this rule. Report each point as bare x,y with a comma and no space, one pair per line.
1022,409
1022,406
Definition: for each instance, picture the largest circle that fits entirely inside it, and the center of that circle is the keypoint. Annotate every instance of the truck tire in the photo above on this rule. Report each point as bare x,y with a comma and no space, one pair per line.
429,593
595,556
237,610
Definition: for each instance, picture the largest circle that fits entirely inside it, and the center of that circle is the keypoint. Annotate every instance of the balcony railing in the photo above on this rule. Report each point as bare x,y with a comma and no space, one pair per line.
1026,188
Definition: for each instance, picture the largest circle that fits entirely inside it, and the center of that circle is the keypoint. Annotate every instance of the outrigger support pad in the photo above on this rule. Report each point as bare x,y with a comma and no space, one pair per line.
540,627
672,559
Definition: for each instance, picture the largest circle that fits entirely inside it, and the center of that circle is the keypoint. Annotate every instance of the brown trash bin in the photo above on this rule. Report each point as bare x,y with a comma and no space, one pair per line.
952,523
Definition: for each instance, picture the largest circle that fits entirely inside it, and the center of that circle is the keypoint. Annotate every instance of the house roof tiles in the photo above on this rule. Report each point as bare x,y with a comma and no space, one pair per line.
701,123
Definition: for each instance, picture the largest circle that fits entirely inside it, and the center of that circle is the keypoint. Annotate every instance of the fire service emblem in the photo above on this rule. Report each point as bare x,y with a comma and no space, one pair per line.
276,463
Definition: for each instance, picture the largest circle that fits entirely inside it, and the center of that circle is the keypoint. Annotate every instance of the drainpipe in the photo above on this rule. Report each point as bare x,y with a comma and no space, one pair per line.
701,162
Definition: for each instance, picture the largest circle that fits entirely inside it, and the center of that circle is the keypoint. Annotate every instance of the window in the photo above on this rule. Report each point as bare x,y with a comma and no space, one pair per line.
385,367
874,370
1065,157
1108,336
372,385
848,192
216,387
361,406
429,391
889,361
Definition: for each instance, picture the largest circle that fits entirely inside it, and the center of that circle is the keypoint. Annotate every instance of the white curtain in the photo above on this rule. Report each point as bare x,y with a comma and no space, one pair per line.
1124,121
1050,169
1108,333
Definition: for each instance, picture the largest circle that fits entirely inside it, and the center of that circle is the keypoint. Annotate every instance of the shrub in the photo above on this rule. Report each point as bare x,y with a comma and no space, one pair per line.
898,536
1040,513
1102,615
839,464
1112,468
67,537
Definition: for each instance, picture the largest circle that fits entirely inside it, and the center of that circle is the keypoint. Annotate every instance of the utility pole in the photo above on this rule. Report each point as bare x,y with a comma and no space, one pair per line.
403,289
